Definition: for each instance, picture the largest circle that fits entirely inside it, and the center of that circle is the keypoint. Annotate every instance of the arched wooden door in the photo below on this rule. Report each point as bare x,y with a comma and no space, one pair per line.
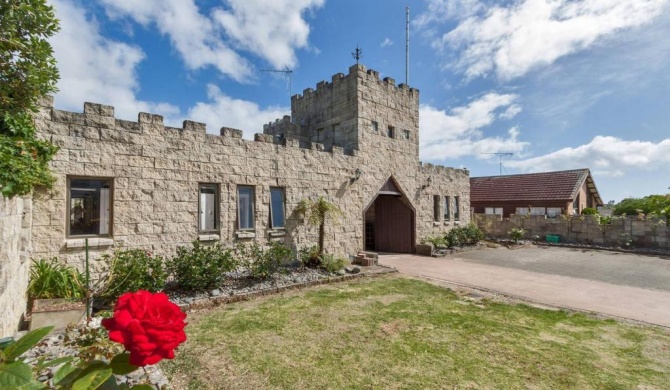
389,222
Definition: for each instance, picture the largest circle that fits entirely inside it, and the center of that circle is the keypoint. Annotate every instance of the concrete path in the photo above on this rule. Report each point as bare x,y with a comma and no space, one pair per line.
630,302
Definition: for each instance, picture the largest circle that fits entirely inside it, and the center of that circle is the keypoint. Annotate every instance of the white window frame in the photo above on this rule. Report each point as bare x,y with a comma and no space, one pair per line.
105,211
283,206
252,208
495,210
202,203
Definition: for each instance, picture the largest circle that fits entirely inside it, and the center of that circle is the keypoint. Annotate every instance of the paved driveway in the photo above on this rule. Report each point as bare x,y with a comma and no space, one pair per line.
617,284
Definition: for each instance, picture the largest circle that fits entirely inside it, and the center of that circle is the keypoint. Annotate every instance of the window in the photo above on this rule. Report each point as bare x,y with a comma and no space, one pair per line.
447,203
375,126
575,206
553,212
436,208
390,132
245,207
277,219
405,134
208,214
493,211
537,211
457,208
89,206
522,211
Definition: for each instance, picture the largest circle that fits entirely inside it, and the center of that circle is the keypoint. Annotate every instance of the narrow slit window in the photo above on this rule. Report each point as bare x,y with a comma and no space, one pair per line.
405,134
245,207
89,207
436,208
375,126
277,214
390,132
208,216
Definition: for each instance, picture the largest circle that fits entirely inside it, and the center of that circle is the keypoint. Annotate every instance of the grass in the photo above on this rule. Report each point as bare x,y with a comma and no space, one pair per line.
396,333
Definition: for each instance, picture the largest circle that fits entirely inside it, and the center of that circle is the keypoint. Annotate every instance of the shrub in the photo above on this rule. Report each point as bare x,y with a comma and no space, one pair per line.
51,279
309,256
201,267
333,264
436,241
465,235
590,211
263,262
132,270
516,234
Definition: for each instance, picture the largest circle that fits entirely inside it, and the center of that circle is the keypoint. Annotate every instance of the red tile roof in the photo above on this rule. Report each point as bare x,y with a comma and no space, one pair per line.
561,185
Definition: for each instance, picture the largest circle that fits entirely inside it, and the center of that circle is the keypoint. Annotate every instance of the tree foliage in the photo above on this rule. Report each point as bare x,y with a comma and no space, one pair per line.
652,204
316,212
27,66
27,73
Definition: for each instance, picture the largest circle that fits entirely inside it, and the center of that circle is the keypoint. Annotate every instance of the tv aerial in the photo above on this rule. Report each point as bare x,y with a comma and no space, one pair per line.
288,74
500,157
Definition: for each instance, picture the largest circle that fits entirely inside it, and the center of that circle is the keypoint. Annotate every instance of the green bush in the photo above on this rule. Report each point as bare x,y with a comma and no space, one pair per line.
436,241
263,262
332,263
465,235
309,256
132,270
51,279
516,234
590,211
201,267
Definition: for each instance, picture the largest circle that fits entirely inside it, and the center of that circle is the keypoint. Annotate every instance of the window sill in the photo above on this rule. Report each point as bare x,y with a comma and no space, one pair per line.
80,243
245,234
209,237
447,222
437,223
277,233
457,222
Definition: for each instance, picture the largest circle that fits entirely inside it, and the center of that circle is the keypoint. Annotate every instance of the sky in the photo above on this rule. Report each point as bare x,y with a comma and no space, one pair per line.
551,84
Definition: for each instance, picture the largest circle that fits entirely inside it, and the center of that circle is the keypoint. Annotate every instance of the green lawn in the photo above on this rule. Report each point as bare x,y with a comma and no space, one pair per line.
394,332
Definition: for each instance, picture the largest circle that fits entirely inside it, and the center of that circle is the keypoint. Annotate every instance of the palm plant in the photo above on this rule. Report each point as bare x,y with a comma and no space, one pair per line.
315,212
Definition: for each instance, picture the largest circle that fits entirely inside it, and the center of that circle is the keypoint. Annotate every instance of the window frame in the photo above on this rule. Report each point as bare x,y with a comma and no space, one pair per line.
217,212
283,194
437,208
68,204
406,134
253,208
457,207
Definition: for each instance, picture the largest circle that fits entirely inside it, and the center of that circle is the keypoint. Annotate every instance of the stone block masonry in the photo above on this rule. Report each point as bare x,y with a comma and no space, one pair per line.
155,172
15,246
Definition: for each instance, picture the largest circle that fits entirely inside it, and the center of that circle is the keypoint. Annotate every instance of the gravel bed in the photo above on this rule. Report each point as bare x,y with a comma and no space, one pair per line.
62,344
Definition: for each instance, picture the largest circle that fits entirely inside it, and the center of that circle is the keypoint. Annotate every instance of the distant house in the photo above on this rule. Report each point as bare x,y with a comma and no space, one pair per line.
546,193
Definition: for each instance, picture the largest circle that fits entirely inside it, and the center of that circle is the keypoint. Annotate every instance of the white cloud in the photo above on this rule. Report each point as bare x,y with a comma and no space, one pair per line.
386,42
272,30
604,155
458,133
511,111
524,35
96,69
195,37
222,110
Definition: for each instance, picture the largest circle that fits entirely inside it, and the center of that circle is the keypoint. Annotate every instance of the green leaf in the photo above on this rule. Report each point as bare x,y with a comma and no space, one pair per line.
65,374
18,375
121,364
55,362
26,342
92,377
143,386
110,384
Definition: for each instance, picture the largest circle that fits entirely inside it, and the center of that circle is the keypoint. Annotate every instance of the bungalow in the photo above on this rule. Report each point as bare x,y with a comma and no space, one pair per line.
545,193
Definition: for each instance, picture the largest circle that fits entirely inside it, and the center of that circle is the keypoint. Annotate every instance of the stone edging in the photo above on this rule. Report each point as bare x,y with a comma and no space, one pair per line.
210,302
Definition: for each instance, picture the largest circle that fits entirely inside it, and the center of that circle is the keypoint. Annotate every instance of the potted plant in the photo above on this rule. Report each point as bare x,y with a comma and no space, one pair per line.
56,294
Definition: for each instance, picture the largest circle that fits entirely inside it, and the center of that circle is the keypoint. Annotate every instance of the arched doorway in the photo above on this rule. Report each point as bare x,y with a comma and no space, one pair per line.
389,221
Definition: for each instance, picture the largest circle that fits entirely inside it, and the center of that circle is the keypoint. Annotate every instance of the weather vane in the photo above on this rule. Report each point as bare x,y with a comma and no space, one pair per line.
357,54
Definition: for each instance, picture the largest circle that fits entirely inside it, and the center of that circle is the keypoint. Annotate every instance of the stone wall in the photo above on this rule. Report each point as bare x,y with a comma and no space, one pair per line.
650,233
15,222
156,171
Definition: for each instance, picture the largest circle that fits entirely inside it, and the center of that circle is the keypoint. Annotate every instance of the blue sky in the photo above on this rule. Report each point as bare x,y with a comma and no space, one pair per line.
561,84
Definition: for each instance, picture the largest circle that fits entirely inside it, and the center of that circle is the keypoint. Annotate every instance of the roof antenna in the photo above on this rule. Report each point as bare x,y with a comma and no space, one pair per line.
287,73
357,54
500,156
407,46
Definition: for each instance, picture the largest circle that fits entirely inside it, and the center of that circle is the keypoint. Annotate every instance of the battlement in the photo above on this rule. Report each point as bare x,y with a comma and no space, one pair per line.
441,169
356,71
97,121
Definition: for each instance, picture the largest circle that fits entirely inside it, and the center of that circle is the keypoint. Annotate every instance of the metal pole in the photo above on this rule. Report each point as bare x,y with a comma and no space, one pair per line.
407,46
88,289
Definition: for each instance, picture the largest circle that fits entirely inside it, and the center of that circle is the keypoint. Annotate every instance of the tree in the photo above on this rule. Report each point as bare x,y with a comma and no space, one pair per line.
316,212
27,67
651,204
27,73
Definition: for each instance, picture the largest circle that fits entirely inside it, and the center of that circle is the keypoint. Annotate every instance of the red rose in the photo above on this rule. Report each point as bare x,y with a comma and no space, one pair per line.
148,325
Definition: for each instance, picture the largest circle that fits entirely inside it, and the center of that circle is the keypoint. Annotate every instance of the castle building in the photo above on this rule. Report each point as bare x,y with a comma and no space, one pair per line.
353,140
